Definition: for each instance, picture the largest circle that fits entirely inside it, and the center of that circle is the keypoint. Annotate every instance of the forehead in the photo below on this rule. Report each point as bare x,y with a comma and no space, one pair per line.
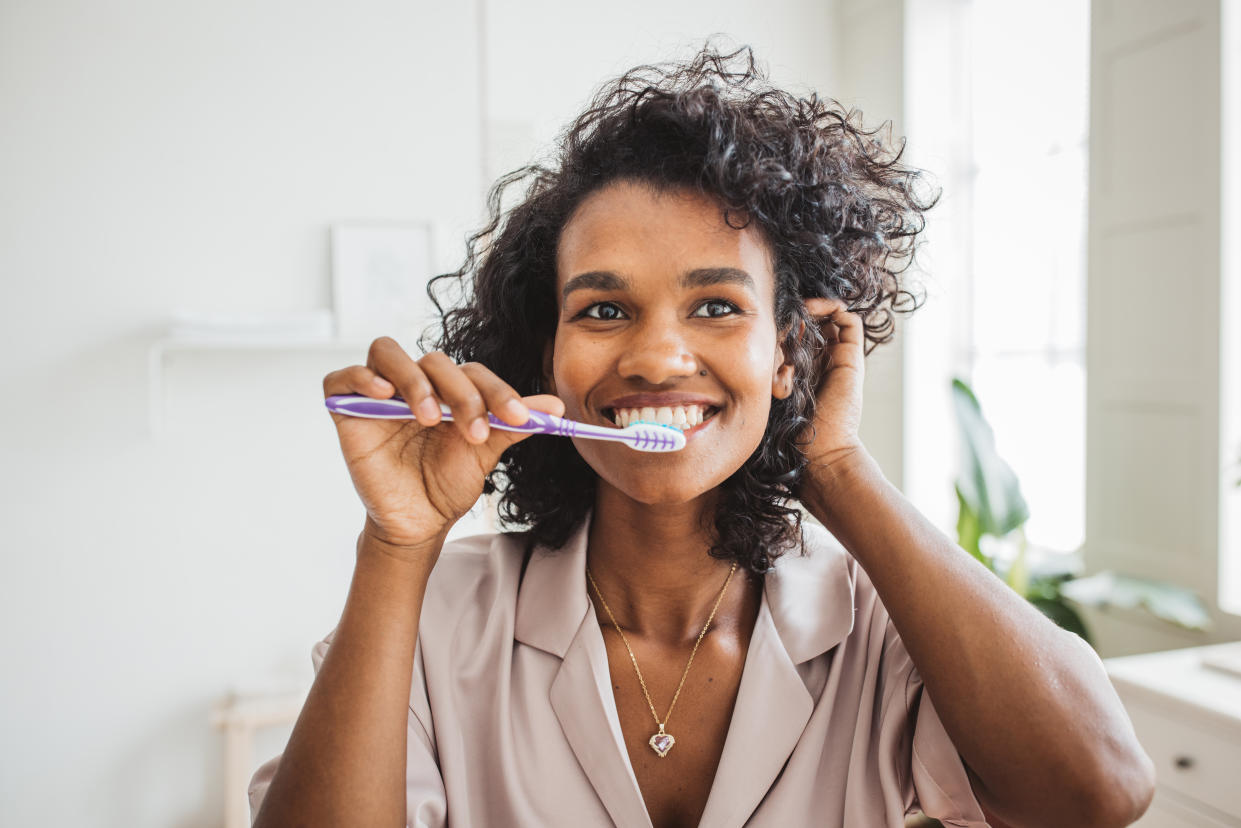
631,229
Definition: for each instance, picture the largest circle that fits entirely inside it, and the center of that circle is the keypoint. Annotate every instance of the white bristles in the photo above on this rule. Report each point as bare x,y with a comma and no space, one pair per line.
655,436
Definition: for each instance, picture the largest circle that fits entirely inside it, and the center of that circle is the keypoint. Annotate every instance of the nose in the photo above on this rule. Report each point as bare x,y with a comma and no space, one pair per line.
656,353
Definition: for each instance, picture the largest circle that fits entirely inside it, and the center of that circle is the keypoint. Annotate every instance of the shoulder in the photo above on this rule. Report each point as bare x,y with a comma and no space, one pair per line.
474,574
810,593
473,585
820,551
819,572
873,644
828,557
823,577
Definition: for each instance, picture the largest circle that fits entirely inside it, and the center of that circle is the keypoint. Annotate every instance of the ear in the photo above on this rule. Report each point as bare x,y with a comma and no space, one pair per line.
783,369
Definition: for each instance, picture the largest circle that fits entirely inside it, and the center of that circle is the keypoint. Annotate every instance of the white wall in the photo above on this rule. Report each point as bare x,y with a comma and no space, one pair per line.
1153,433
1230,308
157,156
546,58
870,63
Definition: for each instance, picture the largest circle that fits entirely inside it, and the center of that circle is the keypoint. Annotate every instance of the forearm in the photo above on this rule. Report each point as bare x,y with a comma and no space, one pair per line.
1028,707
345,760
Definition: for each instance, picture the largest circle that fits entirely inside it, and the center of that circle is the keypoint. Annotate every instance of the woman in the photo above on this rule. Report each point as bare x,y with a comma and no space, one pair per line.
720,254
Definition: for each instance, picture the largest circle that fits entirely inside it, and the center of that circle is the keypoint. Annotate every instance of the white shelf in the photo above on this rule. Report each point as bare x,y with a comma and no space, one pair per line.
1185,676
222,343
241,717
256,343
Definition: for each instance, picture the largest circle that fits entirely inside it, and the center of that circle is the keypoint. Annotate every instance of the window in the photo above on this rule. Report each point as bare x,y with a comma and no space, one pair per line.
1029,95
997,102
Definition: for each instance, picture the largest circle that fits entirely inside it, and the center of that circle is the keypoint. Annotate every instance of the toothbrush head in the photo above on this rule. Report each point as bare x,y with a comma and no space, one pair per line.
645,435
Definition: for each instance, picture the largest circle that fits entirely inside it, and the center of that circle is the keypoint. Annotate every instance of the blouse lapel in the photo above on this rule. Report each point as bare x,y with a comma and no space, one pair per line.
807,609
582,698
772,709
555,615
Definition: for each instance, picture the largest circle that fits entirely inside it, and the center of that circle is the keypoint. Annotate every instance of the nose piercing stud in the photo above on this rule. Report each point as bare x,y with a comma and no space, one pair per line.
703,372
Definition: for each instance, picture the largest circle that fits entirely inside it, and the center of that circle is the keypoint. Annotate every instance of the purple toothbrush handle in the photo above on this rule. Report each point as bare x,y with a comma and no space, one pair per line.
356,405
540,422
396,409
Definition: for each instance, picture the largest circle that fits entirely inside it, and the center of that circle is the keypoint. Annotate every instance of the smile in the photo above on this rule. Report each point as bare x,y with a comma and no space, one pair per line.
684,417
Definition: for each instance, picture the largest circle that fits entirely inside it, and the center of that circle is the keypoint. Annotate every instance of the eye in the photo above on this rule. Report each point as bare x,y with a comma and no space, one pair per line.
724,308
607,312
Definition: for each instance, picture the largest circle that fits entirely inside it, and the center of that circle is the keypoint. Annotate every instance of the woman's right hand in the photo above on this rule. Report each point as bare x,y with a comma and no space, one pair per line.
416,478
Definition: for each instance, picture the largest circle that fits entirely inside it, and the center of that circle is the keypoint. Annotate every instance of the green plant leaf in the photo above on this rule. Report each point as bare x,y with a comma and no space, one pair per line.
1170,602
969,532
1018,576
1044,587
985,482
1063,616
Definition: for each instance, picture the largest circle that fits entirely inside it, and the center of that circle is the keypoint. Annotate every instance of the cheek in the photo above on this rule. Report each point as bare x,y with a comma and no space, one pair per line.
748,368
576,366
750,361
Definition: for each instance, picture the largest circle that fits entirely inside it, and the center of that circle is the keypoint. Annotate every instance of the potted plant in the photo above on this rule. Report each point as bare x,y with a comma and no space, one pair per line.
991,507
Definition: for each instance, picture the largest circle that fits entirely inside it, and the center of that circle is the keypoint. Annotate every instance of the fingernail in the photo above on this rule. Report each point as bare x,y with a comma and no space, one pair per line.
478,429
428,409
517,410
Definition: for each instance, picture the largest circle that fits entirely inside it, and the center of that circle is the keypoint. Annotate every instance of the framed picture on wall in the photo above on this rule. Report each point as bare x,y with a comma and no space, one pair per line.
379,280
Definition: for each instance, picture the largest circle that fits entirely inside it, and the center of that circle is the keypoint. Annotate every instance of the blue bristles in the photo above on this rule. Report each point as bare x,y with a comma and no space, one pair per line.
651,422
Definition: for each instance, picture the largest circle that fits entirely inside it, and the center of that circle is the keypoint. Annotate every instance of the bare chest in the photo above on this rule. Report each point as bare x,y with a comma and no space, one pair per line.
675,787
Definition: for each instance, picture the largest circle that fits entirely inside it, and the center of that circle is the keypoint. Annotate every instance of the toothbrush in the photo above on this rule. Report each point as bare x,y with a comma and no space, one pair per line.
642,435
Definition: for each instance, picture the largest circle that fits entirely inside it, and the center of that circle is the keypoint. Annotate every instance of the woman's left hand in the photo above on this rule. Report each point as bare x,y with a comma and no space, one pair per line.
841,370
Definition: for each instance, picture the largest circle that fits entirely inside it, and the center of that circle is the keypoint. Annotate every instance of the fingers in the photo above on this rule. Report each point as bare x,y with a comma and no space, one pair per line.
389,360
455,390
500,440
546,403
357,379
470,390
498,396
835,312
844,333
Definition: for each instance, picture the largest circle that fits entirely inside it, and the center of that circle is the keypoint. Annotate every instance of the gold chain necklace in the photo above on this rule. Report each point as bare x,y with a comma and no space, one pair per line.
662,742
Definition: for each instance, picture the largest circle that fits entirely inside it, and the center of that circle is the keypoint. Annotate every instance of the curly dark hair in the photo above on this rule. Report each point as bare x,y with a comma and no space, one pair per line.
839,211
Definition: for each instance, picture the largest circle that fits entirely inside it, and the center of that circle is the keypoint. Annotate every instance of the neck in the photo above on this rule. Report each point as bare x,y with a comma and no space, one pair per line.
653,566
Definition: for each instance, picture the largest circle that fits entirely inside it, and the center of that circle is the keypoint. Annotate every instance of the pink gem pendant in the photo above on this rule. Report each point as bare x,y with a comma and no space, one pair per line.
662,742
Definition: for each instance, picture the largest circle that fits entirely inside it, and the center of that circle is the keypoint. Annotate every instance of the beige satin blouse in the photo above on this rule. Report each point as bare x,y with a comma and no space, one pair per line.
512,720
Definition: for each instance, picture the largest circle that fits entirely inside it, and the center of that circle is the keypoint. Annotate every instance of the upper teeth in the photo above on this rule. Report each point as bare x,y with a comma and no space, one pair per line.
682,416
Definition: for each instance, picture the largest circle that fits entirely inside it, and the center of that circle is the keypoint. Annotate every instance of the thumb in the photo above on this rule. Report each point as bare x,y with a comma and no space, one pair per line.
547,403
499,440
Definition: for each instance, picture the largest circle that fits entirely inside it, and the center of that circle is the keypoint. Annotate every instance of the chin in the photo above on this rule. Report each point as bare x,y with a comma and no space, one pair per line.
653,489
663,498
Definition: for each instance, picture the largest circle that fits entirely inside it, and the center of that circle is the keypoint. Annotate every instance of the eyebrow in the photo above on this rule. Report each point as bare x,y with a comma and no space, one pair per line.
701,277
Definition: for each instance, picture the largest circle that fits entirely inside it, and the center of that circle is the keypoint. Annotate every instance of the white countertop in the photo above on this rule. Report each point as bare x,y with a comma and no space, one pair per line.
1182,676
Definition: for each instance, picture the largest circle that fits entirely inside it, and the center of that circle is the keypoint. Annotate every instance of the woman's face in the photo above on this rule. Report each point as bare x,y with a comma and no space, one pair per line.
653,291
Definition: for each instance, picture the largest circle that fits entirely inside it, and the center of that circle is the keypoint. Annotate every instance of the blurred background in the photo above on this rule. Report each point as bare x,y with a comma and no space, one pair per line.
205,207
